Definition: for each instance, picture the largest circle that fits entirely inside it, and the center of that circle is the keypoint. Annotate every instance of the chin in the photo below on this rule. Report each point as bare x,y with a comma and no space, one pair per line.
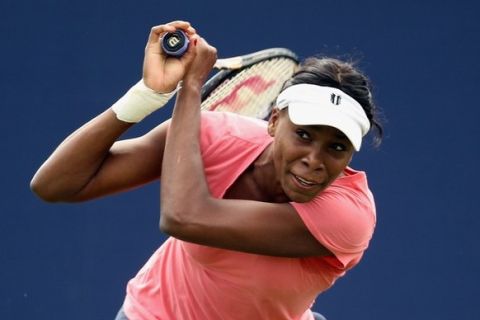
299,194
301,198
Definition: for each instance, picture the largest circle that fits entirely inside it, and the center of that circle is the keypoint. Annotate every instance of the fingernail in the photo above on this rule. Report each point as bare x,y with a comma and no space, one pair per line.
195,42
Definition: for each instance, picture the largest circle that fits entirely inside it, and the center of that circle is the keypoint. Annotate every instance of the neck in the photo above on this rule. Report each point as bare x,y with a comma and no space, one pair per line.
265,178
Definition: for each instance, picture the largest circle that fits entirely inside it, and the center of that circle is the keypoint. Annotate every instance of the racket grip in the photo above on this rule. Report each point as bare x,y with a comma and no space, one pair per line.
175,43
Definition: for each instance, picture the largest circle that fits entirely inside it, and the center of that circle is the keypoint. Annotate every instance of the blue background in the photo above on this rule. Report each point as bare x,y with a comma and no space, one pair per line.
63,62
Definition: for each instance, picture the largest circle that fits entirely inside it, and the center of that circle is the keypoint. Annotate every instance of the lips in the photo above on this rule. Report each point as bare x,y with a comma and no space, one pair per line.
304,183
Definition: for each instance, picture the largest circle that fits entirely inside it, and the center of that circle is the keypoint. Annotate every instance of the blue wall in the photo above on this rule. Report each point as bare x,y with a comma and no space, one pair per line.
62,62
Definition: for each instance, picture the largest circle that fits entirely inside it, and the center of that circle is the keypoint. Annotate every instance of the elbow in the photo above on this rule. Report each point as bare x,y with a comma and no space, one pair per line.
175,224
169,224
183,221
43,191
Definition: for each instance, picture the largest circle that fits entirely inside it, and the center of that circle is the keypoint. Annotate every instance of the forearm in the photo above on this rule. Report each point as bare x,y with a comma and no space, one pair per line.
78,158
182,171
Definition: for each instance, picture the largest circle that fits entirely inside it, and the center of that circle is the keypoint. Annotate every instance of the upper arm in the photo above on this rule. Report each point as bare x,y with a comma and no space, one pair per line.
249,226
130,163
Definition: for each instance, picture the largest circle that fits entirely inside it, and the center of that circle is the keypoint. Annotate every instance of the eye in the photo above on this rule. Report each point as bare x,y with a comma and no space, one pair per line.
302,134
338,147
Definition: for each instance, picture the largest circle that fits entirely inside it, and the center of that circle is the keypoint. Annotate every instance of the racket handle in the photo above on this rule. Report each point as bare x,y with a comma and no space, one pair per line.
175,43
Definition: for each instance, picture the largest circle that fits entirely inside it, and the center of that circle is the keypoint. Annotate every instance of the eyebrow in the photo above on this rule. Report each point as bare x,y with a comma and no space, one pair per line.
338,134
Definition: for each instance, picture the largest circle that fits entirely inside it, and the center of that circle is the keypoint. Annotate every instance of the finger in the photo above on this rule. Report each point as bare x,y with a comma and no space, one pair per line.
191,51
158,31
184,25
180,24
172,26
204,43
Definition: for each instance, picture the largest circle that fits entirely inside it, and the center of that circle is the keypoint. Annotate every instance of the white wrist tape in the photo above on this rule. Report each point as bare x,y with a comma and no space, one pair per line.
139,102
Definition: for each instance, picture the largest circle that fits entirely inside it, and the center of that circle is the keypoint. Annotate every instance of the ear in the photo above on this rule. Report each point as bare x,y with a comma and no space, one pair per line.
273,121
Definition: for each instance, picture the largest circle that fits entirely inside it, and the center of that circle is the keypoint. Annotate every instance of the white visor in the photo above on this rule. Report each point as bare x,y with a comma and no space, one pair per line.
309,104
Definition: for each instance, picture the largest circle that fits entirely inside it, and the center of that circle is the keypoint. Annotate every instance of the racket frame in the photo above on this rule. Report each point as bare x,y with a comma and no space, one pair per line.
229,67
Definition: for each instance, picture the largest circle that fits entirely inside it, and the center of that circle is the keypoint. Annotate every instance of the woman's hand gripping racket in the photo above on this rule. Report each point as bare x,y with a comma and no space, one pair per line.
249,84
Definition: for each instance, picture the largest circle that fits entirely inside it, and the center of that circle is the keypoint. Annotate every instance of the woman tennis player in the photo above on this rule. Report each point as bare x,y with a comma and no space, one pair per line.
263,215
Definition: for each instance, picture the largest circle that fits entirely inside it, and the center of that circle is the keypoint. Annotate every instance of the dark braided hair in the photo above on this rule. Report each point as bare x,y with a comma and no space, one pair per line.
331,72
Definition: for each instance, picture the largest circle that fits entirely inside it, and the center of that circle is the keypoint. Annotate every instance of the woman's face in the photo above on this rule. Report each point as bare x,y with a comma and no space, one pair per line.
307,159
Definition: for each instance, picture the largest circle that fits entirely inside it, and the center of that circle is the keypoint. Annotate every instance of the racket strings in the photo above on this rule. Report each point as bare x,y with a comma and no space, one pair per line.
252,91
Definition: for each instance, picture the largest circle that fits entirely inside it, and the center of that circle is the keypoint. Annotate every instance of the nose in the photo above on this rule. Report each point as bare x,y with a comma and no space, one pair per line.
314,159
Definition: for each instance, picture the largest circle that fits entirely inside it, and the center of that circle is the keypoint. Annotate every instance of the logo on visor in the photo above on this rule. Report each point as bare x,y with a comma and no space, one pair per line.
335,99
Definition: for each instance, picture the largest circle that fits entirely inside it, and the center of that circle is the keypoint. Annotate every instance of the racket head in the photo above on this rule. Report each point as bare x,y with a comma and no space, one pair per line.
249,84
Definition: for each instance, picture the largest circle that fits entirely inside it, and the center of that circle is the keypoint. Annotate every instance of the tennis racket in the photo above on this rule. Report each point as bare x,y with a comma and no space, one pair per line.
249,84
